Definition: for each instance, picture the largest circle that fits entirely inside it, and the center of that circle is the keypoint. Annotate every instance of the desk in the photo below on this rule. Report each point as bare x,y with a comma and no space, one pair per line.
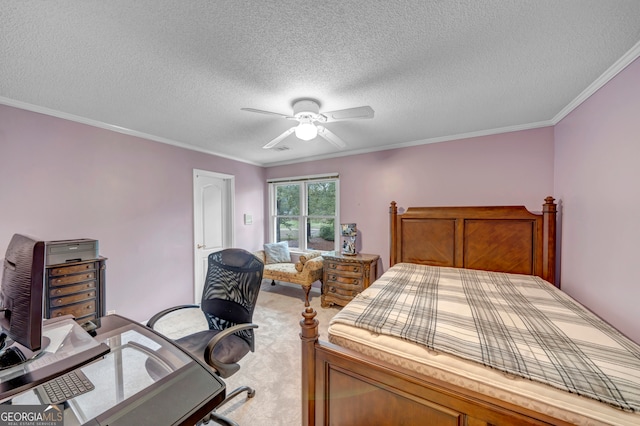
144,379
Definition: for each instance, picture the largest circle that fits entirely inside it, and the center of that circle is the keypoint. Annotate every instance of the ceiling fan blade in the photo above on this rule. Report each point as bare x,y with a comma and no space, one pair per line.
349,113
259,111
279,139
331,137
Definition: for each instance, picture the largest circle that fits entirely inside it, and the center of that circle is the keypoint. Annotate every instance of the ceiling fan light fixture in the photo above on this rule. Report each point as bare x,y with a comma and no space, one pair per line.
307,113
306,131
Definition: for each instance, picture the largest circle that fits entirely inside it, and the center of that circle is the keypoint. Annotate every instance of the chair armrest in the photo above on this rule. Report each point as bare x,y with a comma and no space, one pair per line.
260,254
152,321
224,369
314,264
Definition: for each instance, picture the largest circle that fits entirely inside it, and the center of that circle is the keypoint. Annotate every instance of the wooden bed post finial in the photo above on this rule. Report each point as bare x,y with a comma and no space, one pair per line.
393,216
549,201
309,337
549,241
309,313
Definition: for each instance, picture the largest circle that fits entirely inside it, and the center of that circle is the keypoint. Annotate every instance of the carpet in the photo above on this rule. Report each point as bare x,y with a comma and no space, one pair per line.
273,370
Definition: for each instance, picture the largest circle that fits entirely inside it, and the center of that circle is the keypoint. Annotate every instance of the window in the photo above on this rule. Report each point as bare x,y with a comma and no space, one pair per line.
304,212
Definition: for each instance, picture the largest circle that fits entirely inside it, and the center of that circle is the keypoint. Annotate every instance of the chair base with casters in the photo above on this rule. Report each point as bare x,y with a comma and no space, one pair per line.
203,345
217,418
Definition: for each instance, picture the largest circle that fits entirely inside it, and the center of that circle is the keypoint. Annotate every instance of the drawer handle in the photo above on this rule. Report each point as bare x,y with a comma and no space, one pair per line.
58,291
59,314
88,306
355,269
332,289
59,301
332,266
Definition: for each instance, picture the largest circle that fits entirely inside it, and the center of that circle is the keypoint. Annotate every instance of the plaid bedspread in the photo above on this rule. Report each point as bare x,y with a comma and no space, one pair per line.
518,324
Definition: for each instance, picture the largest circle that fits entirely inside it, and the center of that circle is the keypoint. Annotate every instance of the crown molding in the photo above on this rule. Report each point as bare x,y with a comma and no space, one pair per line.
459,136
102,125
631,55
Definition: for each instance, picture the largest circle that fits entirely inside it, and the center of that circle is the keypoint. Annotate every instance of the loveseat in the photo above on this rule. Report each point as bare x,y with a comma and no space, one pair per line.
304,271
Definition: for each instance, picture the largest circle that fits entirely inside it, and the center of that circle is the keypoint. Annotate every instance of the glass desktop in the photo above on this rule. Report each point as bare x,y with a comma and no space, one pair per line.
68,346
143,377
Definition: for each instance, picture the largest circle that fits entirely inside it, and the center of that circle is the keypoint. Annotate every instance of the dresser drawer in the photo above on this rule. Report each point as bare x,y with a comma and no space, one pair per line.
78,310
345,268
74,298
342,279
345,291
73,269
71,289
71,279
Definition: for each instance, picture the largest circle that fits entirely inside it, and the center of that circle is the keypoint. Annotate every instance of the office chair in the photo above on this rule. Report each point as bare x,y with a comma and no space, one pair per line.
229,297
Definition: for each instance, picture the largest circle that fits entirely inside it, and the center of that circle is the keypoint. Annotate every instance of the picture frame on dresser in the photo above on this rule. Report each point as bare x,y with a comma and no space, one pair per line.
349,233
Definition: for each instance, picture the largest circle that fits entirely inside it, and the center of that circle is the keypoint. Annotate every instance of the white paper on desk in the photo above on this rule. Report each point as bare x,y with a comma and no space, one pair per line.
56,336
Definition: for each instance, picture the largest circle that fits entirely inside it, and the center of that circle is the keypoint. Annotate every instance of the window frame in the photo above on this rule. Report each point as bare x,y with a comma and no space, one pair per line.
303,216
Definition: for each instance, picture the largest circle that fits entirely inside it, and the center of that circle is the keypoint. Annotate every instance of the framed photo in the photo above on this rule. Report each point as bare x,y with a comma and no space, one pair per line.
349,233
349,229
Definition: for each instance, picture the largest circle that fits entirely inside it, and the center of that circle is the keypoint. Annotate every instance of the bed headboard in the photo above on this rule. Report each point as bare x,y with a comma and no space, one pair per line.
503,238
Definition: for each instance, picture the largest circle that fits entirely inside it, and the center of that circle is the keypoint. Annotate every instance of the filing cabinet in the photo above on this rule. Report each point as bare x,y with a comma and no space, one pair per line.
76,288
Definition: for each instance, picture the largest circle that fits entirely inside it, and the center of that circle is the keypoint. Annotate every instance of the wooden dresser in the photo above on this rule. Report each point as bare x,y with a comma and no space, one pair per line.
76,288
345,276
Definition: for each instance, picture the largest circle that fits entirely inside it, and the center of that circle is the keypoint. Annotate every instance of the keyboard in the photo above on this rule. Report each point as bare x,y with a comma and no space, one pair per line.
64,387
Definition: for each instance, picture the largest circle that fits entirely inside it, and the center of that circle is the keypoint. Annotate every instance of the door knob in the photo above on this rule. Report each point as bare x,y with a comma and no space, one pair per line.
200,246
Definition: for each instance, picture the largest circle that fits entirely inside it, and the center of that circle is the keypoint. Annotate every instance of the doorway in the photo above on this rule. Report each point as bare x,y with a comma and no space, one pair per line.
213,200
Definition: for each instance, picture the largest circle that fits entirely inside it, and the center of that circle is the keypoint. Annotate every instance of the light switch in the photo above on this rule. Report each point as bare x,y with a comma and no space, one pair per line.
248,219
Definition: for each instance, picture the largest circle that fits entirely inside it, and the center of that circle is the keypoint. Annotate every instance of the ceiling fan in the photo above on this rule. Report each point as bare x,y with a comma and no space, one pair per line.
307,113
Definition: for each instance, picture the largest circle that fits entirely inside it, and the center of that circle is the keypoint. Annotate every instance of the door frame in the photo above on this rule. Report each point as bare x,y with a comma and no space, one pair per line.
228,236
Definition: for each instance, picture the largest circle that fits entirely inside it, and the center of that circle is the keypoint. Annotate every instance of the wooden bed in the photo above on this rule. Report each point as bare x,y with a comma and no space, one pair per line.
344,387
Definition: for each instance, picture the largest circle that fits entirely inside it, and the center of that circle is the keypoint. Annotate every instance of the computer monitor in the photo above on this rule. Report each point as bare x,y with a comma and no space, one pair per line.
21,300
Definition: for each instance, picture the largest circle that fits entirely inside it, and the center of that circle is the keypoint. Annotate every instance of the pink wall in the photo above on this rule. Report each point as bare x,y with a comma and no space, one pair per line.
64,180
506,169
596,176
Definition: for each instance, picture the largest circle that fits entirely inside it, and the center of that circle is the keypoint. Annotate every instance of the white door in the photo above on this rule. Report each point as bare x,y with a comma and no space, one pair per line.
213,220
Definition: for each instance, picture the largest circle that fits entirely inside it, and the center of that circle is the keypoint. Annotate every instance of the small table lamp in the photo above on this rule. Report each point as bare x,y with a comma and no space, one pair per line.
349,233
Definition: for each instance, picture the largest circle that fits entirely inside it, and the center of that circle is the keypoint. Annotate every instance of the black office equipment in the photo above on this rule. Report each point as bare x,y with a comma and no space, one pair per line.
21,300
63,251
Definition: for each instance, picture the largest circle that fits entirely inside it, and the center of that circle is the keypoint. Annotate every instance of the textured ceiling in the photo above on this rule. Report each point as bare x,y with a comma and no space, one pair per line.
179,71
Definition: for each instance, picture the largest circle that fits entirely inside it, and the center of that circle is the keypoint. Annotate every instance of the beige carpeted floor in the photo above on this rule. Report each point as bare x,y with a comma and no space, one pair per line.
273,370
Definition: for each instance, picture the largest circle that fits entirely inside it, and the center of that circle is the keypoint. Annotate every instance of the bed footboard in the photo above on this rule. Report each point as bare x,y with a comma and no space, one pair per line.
341,387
